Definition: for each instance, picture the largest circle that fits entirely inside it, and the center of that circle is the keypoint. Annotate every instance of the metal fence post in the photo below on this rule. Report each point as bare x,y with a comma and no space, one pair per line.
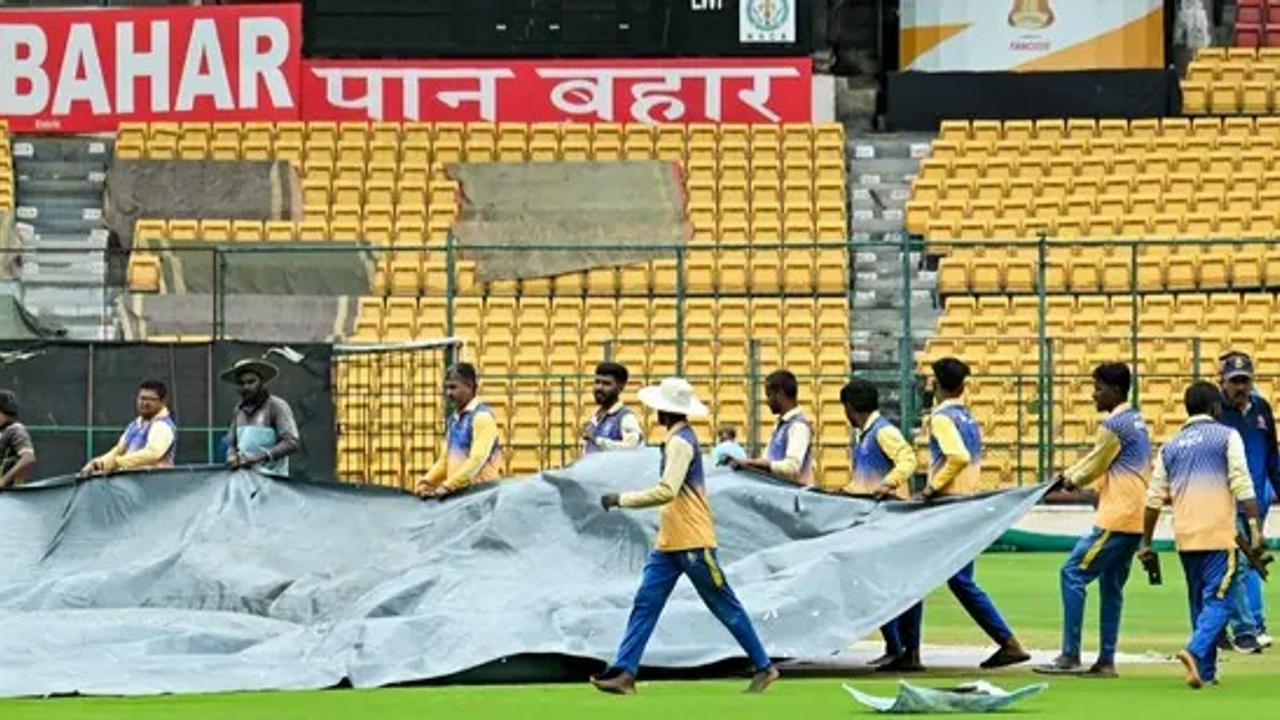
680,298
563,419
1133,322
88,409
449,288
1195,359
1042,366
753,394
1017,441
906,360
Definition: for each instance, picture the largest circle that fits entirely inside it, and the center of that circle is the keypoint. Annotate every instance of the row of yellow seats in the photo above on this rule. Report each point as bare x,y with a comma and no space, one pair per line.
1109,214
1248,315
711,136
1228,96
1089,128
1032,168
759,271
422,144
792,190
987,151
1108,274
1112,189
1076,357
414,191
1220,54
1163,226
1231,71
596,317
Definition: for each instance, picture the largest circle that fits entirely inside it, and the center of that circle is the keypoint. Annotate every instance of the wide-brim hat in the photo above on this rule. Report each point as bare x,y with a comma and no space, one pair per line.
261,368
673,395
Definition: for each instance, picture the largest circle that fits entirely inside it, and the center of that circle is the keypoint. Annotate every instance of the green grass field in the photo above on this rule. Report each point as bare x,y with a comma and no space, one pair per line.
1024,586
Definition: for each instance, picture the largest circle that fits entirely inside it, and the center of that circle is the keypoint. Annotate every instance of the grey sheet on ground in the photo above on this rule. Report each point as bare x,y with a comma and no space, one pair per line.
979,696
199,190
607,211
268,269
267,318
202,581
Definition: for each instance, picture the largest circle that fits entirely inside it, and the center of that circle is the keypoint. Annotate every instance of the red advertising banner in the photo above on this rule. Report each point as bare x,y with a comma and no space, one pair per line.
755,90
88,70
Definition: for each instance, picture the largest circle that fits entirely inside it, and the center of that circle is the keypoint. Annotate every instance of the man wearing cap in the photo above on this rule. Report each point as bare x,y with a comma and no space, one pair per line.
263,433
1244,410
789,454
150,441
17,454
686,545
613,426
473,452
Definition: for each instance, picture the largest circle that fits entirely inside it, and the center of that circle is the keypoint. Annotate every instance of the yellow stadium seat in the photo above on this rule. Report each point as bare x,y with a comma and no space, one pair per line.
1018,129
1195,97
954,130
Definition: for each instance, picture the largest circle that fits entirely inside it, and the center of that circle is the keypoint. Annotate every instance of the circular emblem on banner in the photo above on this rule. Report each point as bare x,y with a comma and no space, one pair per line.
1031,14
768,15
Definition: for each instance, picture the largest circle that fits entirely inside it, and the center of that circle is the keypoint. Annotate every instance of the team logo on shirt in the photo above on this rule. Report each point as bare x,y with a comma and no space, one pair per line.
1262,423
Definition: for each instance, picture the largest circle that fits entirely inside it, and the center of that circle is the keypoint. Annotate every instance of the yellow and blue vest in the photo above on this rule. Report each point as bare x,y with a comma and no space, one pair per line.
609,428
1123,491
135,437
685,523
777,448
870,463
459,439
967,482
1204,509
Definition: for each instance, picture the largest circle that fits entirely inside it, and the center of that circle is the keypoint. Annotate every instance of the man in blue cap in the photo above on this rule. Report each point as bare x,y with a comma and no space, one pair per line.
1250,415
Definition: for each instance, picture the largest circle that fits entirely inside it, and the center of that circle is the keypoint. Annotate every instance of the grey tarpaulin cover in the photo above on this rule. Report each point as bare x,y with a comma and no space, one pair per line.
200,581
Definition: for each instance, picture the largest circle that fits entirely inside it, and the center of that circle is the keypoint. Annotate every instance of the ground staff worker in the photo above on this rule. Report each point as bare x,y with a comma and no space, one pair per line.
1203,471
1119,465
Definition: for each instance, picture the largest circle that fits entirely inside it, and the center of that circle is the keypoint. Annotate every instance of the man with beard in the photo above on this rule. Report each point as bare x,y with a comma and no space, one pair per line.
789,455
263,433
613,426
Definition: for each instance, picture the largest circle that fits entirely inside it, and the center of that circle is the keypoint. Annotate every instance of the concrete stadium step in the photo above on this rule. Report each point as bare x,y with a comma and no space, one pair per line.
88,242
888,146
83,189
881,194
77,149
59,189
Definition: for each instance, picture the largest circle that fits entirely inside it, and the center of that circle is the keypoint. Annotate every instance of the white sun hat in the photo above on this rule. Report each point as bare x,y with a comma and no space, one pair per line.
673,395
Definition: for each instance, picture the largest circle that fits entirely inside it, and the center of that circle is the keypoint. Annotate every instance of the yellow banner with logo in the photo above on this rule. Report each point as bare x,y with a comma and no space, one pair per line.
1030,35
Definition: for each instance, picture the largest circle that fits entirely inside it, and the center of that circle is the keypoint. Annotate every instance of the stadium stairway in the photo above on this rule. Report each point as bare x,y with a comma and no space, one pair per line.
59,185
881,169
